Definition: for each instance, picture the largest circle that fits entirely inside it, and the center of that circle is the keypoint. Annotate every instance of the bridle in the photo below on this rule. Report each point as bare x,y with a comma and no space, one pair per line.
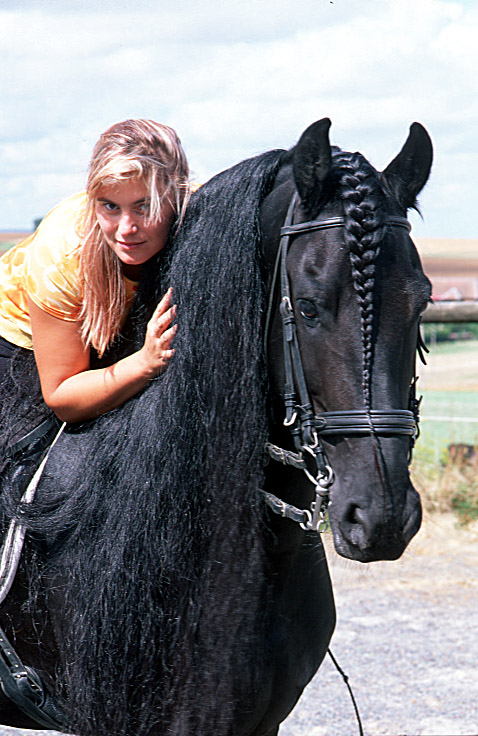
306,427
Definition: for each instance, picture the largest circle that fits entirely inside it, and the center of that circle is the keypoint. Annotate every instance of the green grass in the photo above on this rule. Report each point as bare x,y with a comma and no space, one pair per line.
445,485
452,347
442,417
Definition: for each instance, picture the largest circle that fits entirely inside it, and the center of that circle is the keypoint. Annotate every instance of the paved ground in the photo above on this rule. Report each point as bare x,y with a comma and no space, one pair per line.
407,638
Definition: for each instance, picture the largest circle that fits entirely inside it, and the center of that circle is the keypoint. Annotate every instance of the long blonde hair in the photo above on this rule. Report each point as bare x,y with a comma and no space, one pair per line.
133,149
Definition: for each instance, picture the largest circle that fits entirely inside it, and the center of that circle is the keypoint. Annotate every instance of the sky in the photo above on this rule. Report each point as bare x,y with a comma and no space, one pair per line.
236,78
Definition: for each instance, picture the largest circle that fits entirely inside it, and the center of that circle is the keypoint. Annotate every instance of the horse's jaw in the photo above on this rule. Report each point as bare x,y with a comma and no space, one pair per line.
367,533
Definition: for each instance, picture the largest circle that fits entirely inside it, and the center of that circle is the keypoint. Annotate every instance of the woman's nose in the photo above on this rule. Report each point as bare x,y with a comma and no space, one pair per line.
127,225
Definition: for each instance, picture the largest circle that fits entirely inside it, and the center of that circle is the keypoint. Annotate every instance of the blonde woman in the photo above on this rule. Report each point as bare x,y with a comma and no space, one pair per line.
69,286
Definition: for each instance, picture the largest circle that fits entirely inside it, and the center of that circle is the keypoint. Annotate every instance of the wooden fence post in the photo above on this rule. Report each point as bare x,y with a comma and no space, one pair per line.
451,312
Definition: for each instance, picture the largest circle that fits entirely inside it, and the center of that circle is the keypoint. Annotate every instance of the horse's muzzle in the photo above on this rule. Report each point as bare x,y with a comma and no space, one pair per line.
366,533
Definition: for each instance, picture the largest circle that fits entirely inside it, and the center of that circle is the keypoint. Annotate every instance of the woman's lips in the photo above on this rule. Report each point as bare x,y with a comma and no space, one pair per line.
130,245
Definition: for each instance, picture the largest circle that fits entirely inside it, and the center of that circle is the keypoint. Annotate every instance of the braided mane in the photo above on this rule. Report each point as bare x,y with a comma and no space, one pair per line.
363,203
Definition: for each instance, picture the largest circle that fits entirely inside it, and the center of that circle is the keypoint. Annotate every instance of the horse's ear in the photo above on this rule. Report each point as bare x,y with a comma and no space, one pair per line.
311,162
409,171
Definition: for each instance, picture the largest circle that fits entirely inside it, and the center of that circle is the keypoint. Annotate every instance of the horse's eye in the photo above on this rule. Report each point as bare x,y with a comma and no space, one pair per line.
309,311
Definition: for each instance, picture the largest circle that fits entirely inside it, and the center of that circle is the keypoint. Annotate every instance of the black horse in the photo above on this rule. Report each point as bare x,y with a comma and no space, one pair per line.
159,593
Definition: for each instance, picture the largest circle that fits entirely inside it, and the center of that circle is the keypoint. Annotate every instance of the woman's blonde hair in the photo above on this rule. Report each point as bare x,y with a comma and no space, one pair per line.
134,149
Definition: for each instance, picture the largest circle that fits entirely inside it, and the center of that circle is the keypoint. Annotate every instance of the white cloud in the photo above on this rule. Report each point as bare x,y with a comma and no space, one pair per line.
236,78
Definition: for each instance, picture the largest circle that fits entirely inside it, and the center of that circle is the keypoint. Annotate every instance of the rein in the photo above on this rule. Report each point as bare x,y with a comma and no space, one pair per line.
306,427
22,684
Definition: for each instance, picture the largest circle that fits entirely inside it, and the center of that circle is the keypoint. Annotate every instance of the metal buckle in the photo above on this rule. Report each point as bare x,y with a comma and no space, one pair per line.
316,521
325,475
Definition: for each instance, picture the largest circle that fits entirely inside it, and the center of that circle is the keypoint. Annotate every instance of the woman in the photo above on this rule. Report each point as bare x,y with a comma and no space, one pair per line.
69,286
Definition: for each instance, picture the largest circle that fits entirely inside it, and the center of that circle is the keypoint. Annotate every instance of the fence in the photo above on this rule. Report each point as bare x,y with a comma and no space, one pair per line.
445,311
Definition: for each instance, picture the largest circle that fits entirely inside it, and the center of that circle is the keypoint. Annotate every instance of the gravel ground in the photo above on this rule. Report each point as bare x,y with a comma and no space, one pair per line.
406,637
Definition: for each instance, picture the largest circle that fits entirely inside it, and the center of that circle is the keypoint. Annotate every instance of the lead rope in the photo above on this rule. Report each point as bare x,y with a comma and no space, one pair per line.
349,688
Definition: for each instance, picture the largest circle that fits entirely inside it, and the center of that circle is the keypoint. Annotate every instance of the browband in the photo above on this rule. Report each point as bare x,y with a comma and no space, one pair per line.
336,222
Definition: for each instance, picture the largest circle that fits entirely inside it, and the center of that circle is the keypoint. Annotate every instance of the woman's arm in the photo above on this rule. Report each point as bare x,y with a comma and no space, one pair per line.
71,389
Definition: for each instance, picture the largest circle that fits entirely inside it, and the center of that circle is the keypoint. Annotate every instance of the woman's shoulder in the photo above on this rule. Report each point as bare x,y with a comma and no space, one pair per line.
60,232
52,259
68,214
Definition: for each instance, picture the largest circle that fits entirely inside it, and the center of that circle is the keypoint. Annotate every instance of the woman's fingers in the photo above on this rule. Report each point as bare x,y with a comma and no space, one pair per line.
167,337
164,314
167,355
164,304
160,333
160,323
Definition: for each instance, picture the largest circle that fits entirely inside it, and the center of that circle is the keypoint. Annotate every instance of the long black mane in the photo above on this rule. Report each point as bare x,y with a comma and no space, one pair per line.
155,496
158,493
155,593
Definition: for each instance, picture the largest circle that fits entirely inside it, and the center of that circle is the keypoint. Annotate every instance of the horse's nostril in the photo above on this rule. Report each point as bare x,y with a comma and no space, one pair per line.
354,515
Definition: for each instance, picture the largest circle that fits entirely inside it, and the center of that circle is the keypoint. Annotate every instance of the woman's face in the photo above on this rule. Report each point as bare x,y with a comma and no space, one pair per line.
122,212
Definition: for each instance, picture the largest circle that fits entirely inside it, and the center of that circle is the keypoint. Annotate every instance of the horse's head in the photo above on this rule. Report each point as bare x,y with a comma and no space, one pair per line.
357,291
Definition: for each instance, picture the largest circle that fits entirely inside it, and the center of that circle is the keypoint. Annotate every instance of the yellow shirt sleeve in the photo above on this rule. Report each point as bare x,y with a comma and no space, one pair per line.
52,261
45,266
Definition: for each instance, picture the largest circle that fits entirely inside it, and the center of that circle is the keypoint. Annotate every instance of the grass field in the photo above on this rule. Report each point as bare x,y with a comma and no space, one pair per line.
449,384
450,417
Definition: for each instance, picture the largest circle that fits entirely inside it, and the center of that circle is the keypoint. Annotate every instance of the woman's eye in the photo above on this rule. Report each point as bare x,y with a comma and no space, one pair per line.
143,209
109,206
308,310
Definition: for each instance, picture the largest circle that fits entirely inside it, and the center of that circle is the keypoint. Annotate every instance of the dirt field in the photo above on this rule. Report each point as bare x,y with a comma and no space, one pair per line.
10,238
406,637
441,257
444,267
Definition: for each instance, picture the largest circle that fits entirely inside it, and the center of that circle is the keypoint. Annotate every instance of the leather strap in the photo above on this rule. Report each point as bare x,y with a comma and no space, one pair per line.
24,688
306,427
41,436
308,227
21,684
286,510
359,422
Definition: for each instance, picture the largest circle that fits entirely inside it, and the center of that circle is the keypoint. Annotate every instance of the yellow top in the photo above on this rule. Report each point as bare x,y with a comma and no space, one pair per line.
46,267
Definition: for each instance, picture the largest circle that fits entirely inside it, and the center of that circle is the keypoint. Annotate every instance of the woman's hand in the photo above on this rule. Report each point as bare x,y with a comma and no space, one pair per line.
74,391
156,351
